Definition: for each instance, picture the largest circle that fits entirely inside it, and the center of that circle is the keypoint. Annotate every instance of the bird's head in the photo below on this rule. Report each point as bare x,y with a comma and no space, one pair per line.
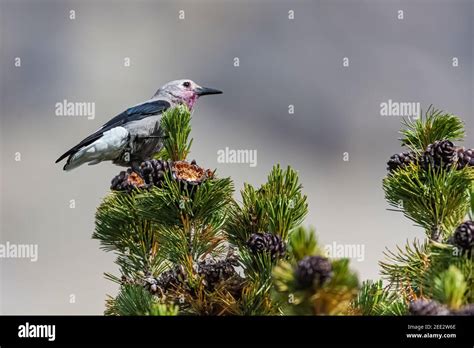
184,92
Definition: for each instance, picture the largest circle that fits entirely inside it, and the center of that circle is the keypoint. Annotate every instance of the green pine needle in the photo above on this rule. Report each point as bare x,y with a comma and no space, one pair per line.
435,125
176,128
450,287
302,243
433,199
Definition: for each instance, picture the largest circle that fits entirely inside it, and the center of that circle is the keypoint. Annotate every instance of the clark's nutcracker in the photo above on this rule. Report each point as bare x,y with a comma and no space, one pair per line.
134,135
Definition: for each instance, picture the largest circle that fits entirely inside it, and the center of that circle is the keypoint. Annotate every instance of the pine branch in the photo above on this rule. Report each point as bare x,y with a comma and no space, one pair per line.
369,298
374,299
332,297
437,197
190,224
278,206
132,300
450,287
415,271
275,208
286,206
121,229
444,257
435,125
248,218
405,268
176,127
434,199
302,243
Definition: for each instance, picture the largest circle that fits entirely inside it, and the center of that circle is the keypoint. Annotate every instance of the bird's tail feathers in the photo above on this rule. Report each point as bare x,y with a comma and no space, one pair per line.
77,158
105,148
71,163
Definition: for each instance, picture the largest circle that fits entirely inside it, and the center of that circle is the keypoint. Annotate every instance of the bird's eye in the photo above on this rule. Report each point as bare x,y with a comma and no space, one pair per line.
186,84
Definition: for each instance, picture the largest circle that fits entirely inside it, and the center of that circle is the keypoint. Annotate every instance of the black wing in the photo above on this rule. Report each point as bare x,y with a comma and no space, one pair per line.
132,114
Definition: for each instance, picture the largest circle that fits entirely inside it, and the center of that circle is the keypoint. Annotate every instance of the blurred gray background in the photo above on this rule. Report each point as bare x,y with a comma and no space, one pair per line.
282,62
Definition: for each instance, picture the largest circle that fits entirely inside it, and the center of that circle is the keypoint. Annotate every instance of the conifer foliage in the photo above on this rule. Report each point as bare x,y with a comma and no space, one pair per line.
432,184
185,246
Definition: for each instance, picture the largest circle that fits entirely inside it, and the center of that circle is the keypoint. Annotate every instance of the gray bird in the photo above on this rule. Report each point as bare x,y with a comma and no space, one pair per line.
134,135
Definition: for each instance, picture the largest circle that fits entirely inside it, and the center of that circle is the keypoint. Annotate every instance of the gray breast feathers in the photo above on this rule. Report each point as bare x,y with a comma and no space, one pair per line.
146,139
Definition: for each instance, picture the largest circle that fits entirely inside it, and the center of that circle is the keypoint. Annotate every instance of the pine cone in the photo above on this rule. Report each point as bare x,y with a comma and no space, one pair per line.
154,171
234,286
441,154
313,271
466,310
190,175
465,157
427,307
267,243
401,160
151,284
464,235
214,271
126,181
167,280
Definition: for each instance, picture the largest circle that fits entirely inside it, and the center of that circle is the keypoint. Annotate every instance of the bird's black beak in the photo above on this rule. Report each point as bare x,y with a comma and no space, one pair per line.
206,91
